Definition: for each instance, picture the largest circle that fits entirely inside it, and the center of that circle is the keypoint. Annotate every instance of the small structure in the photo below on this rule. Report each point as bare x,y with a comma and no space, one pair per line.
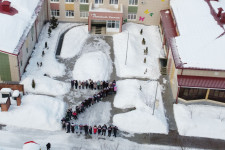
16,96
5,8
5,103
31,145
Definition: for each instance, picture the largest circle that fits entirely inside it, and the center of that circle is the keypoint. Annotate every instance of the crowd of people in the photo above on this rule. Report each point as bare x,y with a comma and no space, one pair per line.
93,85
106,88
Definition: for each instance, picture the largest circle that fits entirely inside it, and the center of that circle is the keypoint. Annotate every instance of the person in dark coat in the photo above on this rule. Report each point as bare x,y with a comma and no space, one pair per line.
86,84
109,131
76,84
99,129
104,128
86,129
75,115
63,125
115,131
72,84
90,130
68,127
72,127
48,146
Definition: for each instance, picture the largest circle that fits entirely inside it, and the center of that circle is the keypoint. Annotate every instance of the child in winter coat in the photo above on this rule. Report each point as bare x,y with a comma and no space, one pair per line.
95,129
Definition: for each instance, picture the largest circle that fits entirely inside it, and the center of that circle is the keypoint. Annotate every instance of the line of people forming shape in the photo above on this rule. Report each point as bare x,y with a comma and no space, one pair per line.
107,88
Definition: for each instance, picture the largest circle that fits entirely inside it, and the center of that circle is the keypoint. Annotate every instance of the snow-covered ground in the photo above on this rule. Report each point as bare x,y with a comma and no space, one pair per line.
95,62
135,66
74,41
141,119
50,66
37,112
200,120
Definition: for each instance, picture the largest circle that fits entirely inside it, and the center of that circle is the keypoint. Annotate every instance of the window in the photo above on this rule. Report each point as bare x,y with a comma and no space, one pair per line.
133,2
69,13
55,13
113,2
69,1
84,1
98,1
132,16
55,1
84,14
113,24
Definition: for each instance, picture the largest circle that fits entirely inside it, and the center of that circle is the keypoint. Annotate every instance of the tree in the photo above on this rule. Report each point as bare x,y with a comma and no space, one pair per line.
33,84
53,22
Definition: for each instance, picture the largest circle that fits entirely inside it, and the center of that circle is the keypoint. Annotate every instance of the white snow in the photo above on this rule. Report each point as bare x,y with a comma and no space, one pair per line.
200,120
6,90
135,66
198,45
3,100
14,26
31,146
16,93
141,119
95,62
45,85
73,41
37,112
218,4
98,114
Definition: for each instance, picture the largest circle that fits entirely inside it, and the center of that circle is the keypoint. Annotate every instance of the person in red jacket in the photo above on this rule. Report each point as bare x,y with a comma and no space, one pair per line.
74,115
95,129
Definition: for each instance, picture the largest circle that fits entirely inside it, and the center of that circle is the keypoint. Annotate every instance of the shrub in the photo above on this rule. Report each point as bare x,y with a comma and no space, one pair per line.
33,84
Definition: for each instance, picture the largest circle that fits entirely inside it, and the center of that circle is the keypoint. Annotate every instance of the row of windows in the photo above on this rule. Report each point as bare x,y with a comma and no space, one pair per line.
70,13
131,2
113,24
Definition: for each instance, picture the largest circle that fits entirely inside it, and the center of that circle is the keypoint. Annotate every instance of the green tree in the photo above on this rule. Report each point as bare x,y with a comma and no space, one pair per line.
53,22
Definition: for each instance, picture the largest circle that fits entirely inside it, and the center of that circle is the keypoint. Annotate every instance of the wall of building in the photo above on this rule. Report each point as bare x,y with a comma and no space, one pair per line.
14,68
204,73
32,37
147,9
5,74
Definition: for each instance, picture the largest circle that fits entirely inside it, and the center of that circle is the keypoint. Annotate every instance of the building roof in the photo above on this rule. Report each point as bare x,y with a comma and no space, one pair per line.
14,28
200,44
201,82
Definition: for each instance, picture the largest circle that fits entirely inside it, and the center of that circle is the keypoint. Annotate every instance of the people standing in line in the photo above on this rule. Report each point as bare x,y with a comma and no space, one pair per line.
79,84
99,129
86,84
95,129
109,131
82,84
72,127
76,84
76,128
48,146
72,84
86,129
115,131
81,128
74,115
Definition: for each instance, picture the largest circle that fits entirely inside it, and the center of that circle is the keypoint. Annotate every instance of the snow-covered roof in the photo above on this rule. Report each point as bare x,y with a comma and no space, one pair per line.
6,90
16,93
198,44
13,28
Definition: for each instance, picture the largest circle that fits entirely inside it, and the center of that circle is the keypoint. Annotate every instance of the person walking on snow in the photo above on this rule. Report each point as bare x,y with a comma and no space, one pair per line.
48,146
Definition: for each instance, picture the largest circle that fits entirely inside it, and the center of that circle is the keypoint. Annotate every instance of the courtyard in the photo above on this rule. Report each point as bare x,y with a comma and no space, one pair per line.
142,108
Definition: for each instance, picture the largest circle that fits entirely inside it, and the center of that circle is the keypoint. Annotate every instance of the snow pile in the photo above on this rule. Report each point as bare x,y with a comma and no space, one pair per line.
73,41
98,114
218,4
95,62
37,112
135,66
31,146
198,37
200,120
45,85
141,119
14,26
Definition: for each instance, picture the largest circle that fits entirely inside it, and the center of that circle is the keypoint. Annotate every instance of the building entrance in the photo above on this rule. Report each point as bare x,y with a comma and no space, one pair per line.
98,26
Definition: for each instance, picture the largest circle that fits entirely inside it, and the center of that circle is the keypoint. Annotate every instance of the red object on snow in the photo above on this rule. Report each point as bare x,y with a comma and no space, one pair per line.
30,142
5,8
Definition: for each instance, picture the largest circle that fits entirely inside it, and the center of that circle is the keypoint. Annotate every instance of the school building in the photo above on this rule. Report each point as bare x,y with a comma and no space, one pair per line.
194,46
107,16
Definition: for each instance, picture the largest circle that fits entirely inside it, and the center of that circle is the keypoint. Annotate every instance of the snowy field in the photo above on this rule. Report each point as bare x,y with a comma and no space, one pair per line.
200,120
135,66
141,119
36,112
94,62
